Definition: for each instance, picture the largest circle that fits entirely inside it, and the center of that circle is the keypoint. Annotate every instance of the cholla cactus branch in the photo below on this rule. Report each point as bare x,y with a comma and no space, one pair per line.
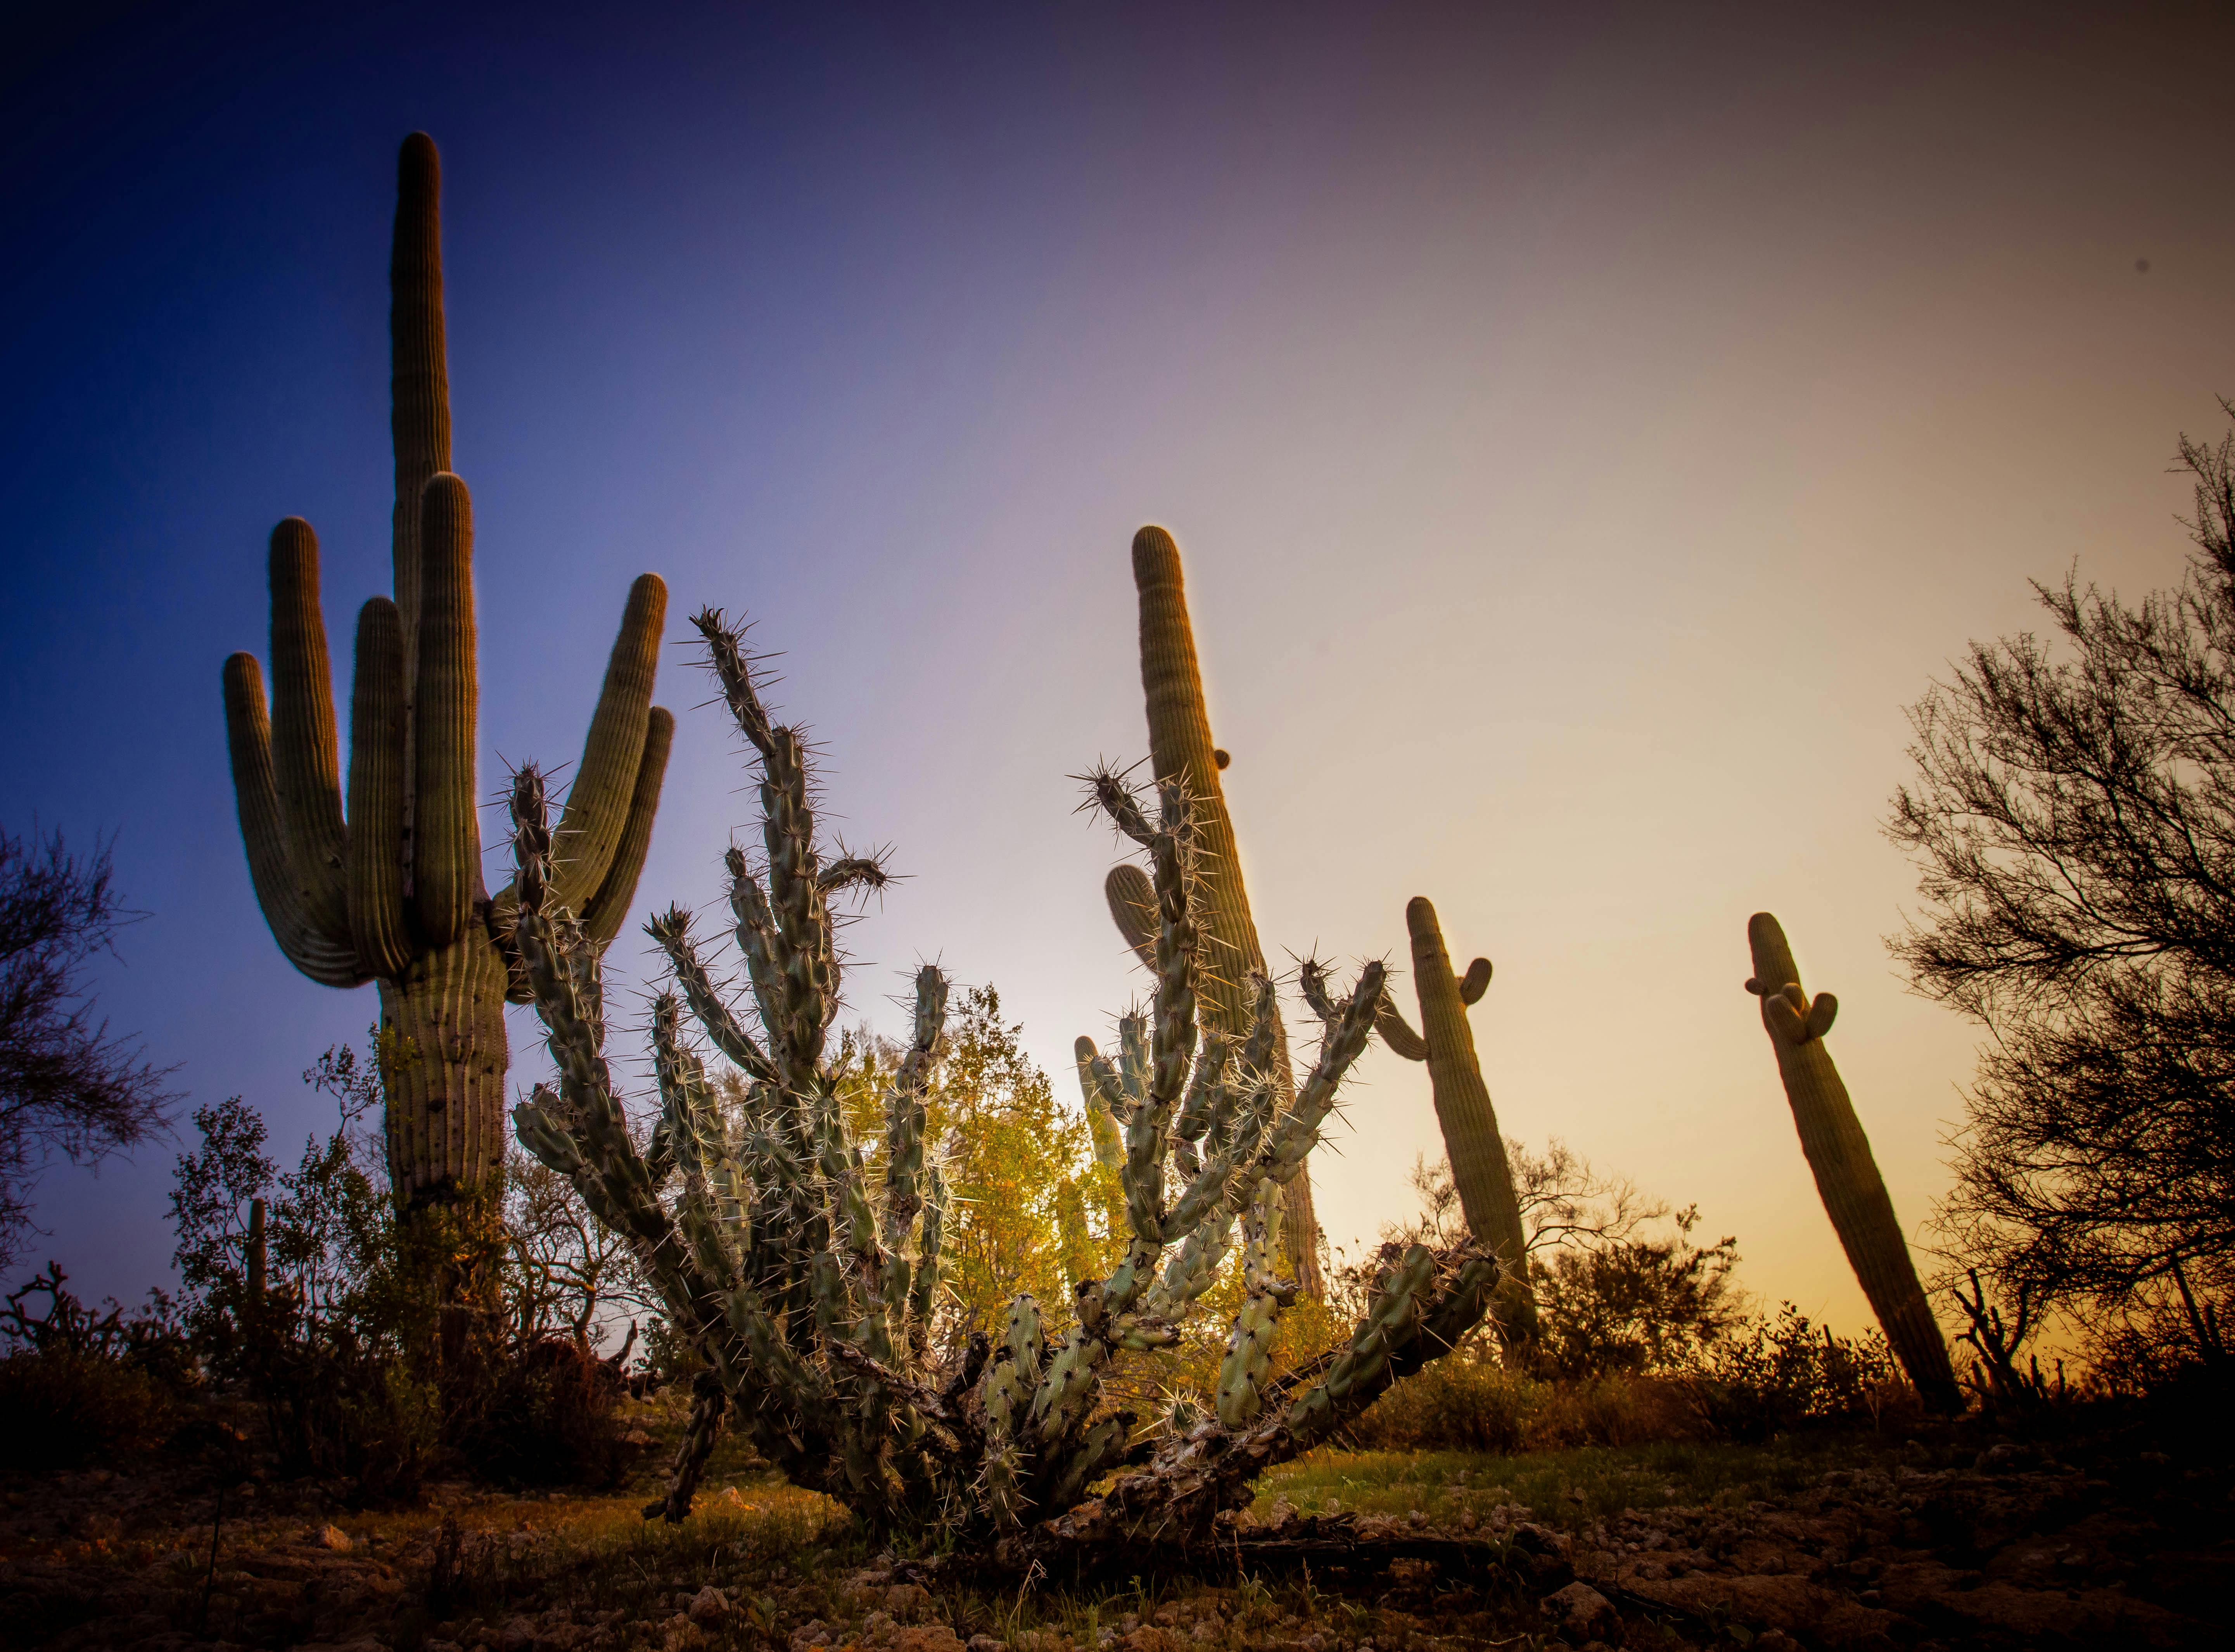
808,1270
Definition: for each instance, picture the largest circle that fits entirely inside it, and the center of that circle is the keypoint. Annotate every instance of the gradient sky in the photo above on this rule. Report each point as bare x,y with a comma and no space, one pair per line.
1585,436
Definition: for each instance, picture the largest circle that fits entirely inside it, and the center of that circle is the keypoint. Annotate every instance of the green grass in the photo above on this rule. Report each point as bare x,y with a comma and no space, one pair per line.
1567,1488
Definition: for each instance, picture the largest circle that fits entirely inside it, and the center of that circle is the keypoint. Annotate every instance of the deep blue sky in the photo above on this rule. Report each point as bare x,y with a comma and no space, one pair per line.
1584,438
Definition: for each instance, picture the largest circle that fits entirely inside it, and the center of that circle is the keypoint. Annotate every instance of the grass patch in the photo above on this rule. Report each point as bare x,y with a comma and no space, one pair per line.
1571,1488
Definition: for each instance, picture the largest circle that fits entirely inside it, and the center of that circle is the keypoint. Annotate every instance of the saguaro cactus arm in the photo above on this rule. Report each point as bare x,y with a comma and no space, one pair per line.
1838,1154
379,712
304,751
1397,1033
600,803
1133,909
604,913
326,958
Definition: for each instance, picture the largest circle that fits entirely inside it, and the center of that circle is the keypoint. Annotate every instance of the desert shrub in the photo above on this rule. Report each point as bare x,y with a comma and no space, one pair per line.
1616,1408
1635,1302
549,1420
64,1409
1784,1373
342,1413
77,1384
1465,1402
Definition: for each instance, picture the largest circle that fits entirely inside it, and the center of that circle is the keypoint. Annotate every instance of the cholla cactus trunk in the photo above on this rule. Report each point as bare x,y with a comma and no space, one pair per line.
1479,1169
1847,1179
1180,748
390,889
808,1273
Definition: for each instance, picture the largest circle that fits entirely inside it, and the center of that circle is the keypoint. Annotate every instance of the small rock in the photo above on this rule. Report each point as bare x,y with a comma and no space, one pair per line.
636,1437
517,1635
903,1600
809,1635
1582,1614
927,1637
708,1607
983,1643
335,1538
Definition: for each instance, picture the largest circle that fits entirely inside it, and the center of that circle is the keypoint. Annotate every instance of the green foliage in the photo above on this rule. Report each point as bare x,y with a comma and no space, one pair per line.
1031,1211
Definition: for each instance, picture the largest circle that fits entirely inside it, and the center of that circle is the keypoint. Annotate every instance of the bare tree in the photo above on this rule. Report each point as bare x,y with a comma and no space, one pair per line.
567,1272
2072,818
68,1089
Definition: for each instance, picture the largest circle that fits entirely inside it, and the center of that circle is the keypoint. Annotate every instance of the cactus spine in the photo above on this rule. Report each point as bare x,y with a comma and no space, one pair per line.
1446,1042
1847,1179
1180,748
809,1278
391,889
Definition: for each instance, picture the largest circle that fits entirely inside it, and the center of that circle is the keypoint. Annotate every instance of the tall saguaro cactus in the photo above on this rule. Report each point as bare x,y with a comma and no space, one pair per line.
1446,1042
1847,1179
1180,748
390,890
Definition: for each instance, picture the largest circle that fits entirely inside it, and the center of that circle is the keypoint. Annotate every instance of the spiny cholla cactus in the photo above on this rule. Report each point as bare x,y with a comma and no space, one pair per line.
814,1290
1479,1169
1847,1176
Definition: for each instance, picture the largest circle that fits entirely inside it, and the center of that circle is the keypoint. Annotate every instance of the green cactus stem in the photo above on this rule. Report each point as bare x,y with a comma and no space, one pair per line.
391,890
1446,1042
1847,1179
1181,748
803,1264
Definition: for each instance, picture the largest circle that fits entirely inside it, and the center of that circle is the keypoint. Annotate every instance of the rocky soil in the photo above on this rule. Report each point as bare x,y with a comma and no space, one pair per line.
2100,1547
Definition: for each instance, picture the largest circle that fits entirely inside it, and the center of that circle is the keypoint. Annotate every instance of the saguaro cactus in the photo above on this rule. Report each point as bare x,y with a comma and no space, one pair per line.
1180,748
808,1273
1446,1042
391,890
1847,1179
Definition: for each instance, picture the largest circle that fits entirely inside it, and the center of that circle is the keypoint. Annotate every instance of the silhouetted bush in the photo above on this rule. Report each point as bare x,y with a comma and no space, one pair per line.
76,1385
549,1420
65,1409
1787,1374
